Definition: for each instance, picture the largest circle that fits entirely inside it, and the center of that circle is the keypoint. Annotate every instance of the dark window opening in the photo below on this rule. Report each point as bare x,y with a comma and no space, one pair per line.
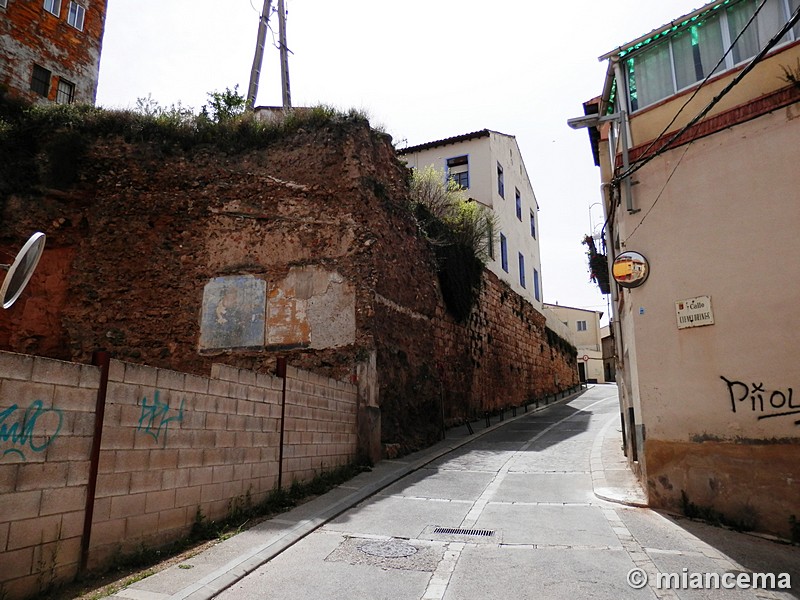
40,81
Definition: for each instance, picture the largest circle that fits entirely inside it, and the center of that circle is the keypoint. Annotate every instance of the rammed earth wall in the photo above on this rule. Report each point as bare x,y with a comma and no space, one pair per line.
314,228
172,444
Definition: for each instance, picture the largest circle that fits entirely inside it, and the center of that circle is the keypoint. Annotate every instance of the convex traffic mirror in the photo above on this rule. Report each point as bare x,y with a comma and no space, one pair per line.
630,269
20,271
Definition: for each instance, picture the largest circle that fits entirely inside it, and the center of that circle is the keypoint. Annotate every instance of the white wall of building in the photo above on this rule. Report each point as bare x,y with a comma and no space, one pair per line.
484,154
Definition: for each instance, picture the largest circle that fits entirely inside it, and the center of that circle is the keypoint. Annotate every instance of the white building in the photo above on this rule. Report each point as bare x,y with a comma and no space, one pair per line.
489,166
585,332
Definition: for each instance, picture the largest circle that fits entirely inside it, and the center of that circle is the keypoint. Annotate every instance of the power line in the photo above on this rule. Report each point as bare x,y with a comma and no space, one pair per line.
661,192
735,81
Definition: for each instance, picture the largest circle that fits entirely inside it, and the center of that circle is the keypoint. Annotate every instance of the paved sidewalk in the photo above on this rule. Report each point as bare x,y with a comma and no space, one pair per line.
227,562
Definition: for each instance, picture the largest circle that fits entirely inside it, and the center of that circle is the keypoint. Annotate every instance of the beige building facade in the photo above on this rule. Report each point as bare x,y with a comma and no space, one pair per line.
584,327
489,166
698,156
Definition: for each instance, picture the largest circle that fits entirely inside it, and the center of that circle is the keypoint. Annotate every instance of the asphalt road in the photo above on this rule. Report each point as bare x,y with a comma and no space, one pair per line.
509,515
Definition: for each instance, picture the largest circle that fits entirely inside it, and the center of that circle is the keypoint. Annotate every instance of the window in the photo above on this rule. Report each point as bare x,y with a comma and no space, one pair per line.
500,186
76,15
581,325
793,4
521,269
533,225
661,69
458,170
53,6
536,284
40,81
518,200
697,50
504,252
65,94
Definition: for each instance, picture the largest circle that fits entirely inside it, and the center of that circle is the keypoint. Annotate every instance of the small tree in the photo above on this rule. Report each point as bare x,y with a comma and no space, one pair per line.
223,106
460,230
448,216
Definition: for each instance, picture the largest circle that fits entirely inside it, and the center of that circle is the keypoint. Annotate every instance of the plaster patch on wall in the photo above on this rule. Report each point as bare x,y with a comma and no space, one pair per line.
233,314
311,307
287,324
332,315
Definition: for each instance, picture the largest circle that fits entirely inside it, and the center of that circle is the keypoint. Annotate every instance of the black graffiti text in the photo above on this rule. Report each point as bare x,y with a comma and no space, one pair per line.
768,404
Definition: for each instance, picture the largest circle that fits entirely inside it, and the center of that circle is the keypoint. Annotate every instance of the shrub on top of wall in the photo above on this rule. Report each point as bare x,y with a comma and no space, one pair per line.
26,130
459,229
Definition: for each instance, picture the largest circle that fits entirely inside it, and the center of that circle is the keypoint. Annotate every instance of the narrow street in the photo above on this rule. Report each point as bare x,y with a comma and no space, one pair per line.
512,514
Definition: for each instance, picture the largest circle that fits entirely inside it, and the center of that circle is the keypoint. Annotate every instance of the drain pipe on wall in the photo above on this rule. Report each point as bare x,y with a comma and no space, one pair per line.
101,359
280,371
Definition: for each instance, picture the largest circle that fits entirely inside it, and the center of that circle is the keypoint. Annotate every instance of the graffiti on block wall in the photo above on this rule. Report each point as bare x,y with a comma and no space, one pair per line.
156,417
767,403
32,430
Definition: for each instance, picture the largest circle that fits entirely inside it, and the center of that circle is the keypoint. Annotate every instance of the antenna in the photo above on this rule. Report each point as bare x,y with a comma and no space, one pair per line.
255,72
20,271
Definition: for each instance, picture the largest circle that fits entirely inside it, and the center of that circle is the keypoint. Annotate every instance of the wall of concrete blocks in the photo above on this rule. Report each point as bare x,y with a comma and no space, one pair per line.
171,443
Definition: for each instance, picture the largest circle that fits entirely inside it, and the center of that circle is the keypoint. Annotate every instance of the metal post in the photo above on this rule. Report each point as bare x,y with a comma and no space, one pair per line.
255,71
623,132
280,371
101,359
284,52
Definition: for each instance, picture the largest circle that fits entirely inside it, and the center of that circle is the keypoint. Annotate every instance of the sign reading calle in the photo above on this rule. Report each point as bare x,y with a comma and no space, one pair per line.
694,312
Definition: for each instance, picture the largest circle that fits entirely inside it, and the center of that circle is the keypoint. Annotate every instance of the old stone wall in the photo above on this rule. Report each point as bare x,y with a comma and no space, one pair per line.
173,445
435,369
304,248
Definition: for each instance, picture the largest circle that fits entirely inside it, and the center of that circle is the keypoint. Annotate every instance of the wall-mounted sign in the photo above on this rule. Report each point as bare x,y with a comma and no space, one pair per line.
630,269
694,312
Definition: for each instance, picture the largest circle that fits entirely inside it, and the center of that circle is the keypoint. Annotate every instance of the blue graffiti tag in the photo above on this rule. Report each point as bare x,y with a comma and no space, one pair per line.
154,418
24,433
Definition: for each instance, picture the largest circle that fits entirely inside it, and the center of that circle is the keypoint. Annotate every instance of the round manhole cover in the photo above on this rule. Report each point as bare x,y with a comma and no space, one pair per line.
388,549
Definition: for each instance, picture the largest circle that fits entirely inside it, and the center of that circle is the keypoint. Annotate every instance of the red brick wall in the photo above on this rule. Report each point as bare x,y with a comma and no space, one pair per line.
30,34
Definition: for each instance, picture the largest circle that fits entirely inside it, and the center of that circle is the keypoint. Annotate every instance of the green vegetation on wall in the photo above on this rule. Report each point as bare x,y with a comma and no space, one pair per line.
459,230
44,144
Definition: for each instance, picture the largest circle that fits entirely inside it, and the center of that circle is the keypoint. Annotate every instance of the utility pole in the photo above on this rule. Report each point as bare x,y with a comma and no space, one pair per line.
255,72
287,97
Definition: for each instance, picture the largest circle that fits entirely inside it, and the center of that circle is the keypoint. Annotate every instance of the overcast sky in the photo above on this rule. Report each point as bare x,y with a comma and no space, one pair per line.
421,70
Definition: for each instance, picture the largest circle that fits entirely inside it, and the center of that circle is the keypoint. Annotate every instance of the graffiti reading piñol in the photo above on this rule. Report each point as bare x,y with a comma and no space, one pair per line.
768,404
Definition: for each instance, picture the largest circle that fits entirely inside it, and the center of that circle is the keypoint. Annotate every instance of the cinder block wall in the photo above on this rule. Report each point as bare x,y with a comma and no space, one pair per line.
172,444
46,424
320,430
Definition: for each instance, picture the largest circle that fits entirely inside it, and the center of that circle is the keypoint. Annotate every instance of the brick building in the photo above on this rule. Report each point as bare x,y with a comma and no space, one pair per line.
51,49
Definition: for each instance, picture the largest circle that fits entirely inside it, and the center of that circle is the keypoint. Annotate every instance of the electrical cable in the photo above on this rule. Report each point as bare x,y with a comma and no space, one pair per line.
702,83
735,81
660,193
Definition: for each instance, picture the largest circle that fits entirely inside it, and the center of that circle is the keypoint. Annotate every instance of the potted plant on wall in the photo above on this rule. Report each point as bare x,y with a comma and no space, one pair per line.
598,266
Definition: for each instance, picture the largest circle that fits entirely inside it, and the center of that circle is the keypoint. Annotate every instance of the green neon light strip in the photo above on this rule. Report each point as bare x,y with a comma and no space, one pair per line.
674,28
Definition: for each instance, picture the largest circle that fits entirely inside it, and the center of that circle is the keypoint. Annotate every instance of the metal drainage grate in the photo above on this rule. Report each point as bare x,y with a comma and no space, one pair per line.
459,531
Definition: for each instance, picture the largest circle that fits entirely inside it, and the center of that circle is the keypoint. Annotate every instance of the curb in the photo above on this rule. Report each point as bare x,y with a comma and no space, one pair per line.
600,486
230,573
